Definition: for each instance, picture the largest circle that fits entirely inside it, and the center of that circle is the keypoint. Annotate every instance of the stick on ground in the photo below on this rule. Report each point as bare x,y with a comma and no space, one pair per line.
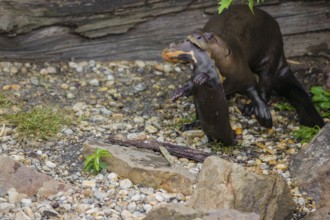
175,150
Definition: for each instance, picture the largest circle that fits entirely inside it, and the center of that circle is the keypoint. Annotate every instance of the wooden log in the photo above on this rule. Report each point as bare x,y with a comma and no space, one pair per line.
175,150
40,30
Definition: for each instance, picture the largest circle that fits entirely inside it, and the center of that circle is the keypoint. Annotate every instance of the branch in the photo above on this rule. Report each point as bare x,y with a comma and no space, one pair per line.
175,150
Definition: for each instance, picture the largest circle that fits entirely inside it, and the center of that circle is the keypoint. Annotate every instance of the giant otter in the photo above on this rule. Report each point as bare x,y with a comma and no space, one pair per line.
242,43
206,88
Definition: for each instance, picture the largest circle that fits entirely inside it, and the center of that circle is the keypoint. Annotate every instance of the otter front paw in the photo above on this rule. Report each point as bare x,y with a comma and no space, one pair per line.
178,94
201,78
263,115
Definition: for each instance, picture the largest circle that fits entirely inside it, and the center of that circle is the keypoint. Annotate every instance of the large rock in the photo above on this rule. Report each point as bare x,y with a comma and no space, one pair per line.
320,214
181,212
26,180
223,184
146,168
310,168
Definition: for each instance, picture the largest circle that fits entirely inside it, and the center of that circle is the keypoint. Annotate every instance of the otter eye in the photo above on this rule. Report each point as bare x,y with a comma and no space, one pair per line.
208,36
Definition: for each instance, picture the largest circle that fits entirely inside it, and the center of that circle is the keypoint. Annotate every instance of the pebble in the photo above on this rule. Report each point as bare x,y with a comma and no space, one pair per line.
138,120
51,70
68,132
151,129
13,195
88,184
112,177
94,82
193,133
125,184
70,95
6,207
140,63
26,202
140,87
50,164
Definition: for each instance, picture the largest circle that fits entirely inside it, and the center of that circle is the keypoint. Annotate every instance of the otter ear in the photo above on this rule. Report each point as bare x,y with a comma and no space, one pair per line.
198,31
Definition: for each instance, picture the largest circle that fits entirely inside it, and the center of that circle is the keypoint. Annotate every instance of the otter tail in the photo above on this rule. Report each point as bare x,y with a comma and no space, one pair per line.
289,87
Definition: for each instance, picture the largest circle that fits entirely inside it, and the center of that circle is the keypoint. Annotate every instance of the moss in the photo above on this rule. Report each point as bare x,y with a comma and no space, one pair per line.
40,123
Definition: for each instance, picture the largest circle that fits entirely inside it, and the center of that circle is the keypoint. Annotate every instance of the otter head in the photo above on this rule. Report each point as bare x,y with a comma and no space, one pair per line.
210,42
180,52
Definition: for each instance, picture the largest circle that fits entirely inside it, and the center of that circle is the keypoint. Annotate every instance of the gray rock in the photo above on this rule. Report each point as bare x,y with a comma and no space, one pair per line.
145,168
310,168
181,212
223,184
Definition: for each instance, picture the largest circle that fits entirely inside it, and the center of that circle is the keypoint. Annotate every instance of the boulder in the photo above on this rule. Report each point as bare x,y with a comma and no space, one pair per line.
310,168
181,212
227,185
25,180
320,214
145,167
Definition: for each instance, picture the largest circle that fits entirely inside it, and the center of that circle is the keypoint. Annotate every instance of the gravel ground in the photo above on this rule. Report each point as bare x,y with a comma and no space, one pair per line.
115,98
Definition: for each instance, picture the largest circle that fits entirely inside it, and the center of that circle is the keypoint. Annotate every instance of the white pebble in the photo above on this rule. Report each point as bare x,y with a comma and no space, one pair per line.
26,202
159,197
94,82
112,177
125,184
136,197
50,164
147,207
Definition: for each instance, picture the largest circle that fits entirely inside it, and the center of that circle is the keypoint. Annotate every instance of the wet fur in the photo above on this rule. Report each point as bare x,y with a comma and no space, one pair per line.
206,88
242,45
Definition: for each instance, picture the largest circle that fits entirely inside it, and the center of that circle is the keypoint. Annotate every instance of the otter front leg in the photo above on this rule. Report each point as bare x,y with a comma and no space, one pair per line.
260,108
186,90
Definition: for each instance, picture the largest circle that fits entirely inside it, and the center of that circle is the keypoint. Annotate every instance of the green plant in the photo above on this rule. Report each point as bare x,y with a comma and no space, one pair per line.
321,98
224,4
179,122
283,106
40,122
220,147
305,134
94,161
4,102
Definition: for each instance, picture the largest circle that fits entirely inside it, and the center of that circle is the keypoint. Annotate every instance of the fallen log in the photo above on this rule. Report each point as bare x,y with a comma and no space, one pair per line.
174,150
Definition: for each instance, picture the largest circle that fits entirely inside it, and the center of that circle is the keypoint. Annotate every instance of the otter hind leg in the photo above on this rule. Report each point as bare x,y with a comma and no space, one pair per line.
288,86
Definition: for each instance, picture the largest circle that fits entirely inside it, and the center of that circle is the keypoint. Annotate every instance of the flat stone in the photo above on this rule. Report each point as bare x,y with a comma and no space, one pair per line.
227,185
24,179
310,168
145,168
179,211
